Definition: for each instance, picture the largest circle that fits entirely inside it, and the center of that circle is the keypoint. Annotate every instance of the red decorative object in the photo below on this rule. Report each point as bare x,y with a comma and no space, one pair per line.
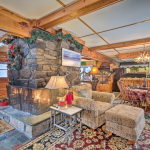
69,97
61,103
14,61
4,104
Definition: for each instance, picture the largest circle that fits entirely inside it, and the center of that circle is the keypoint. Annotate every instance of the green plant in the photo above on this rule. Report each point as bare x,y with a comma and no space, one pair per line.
45,36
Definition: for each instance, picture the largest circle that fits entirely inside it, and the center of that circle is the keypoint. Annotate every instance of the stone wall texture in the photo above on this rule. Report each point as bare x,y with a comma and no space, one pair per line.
42,60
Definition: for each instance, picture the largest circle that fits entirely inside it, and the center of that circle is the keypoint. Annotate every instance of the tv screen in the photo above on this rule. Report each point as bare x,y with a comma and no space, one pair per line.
71,58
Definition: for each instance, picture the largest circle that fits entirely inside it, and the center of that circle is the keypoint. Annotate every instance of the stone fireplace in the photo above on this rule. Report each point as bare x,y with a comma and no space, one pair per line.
40,61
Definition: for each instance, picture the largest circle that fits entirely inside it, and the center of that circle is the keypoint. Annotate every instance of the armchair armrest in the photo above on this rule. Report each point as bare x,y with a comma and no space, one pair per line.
86,104
103,97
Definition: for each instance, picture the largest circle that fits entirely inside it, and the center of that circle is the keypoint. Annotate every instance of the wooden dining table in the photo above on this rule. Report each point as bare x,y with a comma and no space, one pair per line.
139,93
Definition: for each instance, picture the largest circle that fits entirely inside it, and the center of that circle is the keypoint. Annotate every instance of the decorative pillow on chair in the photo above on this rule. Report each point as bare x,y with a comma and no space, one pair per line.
78,88
84,93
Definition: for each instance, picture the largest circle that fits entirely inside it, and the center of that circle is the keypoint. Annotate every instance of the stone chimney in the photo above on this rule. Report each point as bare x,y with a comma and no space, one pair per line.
42,60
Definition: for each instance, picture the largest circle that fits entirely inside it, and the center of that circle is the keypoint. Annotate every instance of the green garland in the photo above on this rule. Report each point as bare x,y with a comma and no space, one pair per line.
45,36
136,67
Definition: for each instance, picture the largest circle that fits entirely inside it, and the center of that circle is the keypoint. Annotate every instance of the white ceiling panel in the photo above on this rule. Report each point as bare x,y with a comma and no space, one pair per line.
93,40
138,31
119,14
117,59
132,47
66,2
76,27
128,60
133,50
32,9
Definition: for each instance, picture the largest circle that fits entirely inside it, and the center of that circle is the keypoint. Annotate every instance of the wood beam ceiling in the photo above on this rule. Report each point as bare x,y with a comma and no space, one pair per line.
14,23
85,51
72,11
97,56
121,44
116,28
95,33
131,55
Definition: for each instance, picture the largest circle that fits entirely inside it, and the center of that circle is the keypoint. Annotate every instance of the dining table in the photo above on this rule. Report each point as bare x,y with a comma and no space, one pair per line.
138,93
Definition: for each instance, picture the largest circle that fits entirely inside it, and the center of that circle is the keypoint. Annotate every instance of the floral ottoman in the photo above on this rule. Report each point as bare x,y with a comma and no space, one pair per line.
125,121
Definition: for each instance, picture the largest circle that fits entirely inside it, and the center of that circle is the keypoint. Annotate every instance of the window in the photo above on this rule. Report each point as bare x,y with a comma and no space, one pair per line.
85,69
3,70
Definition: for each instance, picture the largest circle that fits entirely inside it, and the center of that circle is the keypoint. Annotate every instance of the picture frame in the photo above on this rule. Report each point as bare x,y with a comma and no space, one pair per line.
71,58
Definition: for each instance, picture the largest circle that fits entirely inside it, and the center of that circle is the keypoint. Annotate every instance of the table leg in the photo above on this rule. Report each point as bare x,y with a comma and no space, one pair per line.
54,117
51,123
80,122
70,128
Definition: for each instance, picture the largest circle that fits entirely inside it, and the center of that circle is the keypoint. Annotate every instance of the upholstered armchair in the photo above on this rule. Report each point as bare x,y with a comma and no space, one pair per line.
94,104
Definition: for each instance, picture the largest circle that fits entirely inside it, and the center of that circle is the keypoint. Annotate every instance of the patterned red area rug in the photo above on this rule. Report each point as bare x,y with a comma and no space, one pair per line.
88,140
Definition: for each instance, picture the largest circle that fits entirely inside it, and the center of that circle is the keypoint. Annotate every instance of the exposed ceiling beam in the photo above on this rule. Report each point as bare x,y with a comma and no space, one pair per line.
97,56
131,55
14,23
72,11
14,15
75,37
121,44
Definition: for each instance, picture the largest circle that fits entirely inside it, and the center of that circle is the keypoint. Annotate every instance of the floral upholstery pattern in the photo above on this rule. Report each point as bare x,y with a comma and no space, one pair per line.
93,114
125,115
103,97
125,121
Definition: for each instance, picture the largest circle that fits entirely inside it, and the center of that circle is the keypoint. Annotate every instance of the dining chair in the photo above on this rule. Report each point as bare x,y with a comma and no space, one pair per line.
147,97
128,95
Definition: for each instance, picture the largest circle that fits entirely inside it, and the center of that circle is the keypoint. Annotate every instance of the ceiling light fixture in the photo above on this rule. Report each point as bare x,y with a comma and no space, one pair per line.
143,58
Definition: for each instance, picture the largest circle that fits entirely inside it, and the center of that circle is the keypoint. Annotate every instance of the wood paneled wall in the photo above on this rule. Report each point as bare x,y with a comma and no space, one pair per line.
3,83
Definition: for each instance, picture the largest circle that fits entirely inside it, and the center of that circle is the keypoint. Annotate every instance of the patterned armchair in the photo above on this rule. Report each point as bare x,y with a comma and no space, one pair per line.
94,104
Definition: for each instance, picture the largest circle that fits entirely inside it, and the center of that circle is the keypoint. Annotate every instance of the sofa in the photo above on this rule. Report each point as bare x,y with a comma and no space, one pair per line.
93,103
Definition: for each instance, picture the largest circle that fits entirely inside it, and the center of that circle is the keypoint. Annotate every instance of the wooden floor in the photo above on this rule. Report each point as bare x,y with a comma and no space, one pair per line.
3,83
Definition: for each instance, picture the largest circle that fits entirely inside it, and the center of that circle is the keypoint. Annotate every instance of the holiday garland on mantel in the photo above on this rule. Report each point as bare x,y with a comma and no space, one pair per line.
14,57
14,61
45,36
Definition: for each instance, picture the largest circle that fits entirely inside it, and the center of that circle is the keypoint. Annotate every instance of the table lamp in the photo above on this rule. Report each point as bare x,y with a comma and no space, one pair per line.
56,82
94,71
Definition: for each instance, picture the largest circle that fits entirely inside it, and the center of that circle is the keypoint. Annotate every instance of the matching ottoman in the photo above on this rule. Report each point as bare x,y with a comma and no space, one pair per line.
125,121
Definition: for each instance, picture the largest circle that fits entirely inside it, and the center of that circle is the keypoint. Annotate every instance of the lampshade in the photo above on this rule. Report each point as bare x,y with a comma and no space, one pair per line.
56,82
94,71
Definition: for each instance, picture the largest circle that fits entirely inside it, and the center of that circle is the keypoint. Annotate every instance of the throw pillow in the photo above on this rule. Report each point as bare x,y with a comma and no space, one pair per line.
85,94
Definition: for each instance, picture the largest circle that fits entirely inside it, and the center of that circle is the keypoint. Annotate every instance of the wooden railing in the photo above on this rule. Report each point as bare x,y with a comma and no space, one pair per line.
136,81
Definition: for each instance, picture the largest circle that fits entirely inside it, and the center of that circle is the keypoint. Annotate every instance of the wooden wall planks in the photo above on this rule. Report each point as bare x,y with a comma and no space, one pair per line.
3,83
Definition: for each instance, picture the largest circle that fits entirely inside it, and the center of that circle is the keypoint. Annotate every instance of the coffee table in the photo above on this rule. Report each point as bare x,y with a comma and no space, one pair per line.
66,124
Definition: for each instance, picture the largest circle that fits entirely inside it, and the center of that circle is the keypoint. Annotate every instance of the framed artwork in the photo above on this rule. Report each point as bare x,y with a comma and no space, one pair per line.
71,58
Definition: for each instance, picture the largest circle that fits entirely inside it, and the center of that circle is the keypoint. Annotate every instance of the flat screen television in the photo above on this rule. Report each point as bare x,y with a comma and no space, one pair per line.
71,58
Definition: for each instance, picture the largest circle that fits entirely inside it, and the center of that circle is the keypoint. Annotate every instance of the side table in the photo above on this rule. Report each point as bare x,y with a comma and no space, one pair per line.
66,124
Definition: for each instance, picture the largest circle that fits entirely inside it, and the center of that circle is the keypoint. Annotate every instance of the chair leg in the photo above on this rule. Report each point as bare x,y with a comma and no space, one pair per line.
109,133
131,142
146,108
93,129
138,104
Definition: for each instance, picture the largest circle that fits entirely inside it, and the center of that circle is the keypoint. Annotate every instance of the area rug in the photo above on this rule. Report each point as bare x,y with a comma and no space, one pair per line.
88,140
5,127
